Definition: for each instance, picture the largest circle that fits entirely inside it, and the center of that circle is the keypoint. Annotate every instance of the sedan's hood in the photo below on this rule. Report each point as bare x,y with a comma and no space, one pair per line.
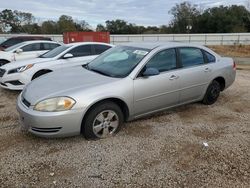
20,63
5,55
61,82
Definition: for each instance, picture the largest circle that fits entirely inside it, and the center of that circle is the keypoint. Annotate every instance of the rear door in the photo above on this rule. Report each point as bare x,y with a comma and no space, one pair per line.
195,73
99,48
81,55
160,91
49,46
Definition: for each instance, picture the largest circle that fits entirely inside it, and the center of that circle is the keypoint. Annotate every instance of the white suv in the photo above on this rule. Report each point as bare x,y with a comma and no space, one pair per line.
16,75
26,50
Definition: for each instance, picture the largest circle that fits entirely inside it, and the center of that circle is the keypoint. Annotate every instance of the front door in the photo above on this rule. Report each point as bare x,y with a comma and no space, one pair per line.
81,55
159,91
30,51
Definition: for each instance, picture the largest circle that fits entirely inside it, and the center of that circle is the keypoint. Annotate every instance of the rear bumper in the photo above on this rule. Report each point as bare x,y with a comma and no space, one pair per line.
50,124
230,78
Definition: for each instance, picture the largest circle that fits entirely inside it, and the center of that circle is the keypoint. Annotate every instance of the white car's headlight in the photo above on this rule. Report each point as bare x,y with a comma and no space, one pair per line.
55,104
20,69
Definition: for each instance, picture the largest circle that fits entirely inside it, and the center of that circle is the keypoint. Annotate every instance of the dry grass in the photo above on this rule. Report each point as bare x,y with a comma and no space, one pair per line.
233,50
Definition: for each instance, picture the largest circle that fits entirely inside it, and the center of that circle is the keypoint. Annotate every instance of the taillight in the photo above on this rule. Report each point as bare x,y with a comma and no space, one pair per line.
234,66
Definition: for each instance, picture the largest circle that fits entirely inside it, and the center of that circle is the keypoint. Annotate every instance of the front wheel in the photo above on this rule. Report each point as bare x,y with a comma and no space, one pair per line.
102,121
212,94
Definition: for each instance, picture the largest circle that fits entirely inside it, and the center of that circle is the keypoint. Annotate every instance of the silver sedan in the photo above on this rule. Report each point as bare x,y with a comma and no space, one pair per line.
122,84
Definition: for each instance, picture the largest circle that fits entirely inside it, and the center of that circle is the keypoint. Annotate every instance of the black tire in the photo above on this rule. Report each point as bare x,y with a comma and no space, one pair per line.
212,94
3,62
91,119
40,73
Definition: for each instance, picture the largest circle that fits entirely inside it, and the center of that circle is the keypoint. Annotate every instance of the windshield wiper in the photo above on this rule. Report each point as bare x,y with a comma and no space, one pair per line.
100,72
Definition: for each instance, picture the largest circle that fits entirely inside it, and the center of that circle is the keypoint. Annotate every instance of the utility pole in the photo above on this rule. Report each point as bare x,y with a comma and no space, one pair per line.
248,5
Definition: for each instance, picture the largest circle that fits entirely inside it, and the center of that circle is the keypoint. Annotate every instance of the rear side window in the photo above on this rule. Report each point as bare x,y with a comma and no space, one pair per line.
80,51
11,42
32,47
210,57
49,46
163,61
98,49
191,57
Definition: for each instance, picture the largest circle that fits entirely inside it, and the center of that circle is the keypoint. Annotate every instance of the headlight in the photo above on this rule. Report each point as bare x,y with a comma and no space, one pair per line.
20,69
55,104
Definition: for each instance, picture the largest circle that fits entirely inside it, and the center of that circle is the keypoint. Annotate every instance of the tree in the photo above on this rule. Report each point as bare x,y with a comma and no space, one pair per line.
117,27
82,26
101,27
32,28
15,20
224,20
66,23
49,27
184,17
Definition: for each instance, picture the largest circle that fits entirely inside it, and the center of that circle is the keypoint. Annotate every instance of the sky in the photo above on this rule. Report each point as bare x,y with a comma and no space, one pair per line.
140,12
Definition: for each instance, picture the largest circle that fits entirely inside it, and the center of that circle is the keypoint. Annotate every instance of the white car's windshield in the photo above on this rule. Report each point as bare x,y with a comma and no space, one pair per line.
55,52
118,61
13,47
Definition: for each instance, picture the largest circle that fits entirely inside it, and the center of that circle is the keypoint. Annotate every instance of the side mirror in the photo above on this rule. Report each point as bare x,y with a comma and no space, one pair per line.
67,56
18,51
150,72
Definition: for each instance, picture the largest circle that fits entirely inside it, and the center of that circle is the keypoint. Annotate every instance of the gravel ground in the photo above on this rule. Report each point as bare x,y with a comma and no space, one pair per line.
164,150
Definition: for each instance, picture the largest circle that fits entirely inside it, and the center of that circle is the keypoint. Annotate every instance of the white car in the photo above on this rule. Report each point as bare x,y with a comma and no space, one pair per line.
16,75
26,50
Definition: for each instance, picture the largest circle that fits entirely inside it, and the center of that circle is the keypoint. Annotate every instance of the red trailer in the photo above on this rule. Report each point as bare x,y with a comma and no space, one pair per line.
70,37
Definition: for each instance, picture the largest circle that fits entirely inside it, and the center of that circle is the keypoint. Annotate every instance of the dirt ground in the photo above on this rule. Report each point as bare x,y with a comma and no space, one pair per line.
164,150
232,50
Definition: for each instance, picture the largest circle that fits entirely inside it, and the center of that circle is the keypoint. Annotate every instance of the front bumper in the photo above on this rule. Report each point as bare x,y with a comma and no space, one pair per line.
16,81
50,124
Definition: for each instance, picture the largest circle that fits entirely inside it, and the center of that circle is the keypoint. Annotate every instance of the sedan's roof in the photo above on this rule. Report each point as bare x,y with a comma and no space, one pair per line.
152,45
87,43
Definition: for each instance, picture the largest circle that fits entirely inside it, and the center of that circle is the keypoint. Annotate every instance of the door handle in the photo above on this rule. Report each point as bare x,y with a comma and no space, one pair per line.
207,70
173,77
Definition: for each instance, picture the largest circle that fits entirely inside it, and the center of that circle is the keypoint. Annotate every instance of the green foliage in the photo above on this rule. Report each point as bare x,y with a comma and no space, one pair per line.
101,28
213,20
186,19
66,23
49,27
224,20
22,22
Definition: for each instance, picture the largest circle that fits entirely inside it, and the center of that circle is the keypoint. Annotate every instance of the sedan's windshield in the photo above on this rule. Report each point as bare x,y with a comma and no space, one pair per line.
14,47
55,52
118,61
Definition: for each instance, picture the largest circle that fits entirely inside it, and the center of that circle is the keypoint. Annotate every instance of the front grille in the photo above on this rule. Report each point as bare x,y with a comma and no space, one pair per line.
25,102
46,130
2,72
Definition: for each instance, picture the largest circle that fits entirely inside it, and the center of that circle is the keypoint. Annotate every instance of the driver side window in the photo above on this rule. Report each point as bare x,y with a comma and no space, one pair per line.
163,61
32,47
80,51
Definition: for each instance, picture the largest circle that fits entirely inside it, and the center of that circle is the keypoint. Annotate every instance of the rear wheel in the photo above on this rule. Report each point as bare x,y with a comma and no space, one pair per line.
212,94
102,121
3,62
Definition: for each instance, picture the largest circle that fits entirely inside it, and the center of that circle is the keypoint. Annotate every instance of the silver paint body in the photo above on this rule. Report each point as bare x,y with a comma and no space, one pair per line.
142,95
